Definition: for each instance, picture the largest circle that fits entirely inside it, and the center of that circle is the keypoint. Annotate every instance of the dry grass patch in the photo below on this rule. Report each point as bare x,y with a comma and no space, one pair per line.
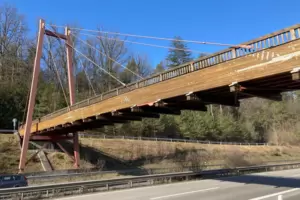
159,153
61,160
9,156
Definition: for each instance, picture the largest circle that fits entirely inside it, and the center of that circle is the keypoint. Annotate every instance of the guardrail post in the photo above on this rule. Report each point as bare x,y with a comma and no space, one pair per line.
192,67
107,187
233,53
293,35
130,184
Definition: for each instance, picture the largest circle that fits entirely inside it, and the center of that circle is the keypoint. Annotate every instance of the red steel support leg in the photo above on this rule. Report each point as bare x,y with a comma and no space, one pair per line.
76,150
64,150
36,71
71,90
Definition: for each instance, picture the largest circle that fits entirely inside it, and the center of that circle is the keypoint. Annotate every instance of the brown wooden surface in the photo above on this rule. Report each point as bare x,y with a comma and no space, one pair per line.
216,76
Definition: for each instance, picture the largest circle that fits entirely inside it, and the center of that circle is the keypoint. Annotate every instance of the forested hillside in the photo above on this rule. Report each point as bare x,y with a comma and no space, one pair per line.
255,120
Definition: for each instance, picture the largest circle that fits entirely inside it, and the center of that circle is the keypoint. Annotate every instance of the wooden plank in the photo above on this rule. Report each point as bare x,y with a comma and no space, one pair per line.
219,75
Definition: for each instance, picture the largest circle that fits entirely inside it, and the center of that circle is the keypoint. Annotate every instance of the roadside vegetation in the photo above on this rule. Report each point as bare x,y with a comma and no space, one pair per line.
10,154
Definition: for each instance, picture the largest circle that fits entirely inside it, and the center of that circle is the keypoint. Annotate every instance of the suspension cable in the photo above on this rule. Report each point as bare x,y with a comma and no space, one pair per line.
145,44
27,102
156,38
108,56
91,61
56,70
87,76
98,66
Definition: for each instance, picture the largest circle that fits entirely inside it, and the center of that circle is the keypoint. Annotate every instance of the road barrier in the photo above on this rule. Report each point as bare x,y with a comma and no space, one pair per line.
69,173
75,188
39,178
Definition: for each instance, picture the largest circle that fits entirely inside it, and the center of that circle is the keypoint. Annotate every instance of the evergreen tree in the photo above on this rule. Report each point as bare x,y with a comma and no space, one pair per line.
159,68
201,55
126,76
178,56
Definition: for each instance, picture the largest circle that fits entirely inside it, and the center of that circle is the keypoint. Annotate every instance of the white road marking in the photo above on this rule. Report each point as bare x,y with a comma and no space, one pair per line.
275,194
127,190
295,175
179,194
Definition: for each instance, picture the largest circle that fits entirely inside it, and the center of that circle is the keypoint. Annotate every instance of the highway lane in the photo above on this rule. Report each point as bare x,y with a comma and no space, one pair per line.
259,186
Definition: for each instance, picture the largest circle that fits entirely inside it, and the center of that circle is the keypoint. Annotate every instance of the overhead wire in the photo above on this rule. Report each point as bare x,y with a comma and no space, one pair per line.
27,102
98,66
108,56
91,61
154,37
56,70
158,38
87,76
145,44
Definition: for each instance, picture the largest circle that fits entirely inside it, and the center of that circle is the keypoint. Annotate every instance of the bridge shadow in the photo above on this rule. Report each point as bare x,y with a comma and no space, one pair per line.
124,167
276,181
95,156
106,161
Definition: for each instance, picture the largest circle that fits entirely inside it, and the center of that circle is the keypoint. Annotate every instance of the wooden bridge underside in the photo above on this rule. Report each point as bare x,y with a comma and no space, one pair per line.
264,74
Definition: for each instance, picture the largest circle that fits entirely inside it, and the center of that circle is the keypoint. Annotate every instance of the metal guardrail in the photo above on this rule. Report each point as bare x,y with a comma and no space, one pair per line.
69,174
266,42
84,135
64,189
143,171
7,131
46,176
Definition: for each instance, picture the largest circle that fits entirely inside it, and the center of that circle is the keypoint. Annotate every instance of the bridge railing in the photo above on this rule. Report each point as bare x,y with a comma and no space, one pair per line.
271,40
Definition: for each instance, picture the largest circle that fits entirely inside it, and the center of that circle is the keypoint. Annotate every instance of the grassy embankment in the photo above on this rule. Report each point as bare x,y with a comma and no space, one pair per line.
124,154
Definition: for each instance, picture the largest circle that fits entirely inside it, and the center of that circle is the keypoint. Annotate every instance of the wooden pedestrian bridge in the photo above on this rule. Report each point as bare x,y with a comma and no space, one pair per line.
269,67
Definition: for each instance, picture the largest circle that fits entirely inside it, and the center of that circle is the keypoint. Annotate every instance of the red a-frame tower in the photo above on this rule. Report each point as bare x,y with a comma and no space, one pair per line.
33,89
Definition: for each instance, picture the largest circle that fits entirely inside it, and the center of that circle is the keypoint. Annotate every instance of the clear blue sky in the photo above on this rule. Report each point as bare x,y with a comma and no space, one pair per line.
225,21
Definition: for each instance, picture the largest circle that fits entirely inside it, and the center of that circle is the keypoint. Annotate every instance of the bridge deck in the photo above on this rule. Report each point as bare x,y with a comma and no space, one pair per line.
264,71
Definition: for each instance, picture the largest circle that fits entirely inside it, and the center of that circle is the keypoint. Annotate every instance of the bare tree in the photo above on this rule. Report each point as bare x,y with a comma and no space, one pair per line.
108,52
13,44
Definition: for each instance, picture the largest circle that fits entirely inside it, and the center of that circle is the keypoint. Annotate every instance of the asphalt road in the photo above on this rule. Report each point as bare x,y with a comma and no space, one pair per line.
279,185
